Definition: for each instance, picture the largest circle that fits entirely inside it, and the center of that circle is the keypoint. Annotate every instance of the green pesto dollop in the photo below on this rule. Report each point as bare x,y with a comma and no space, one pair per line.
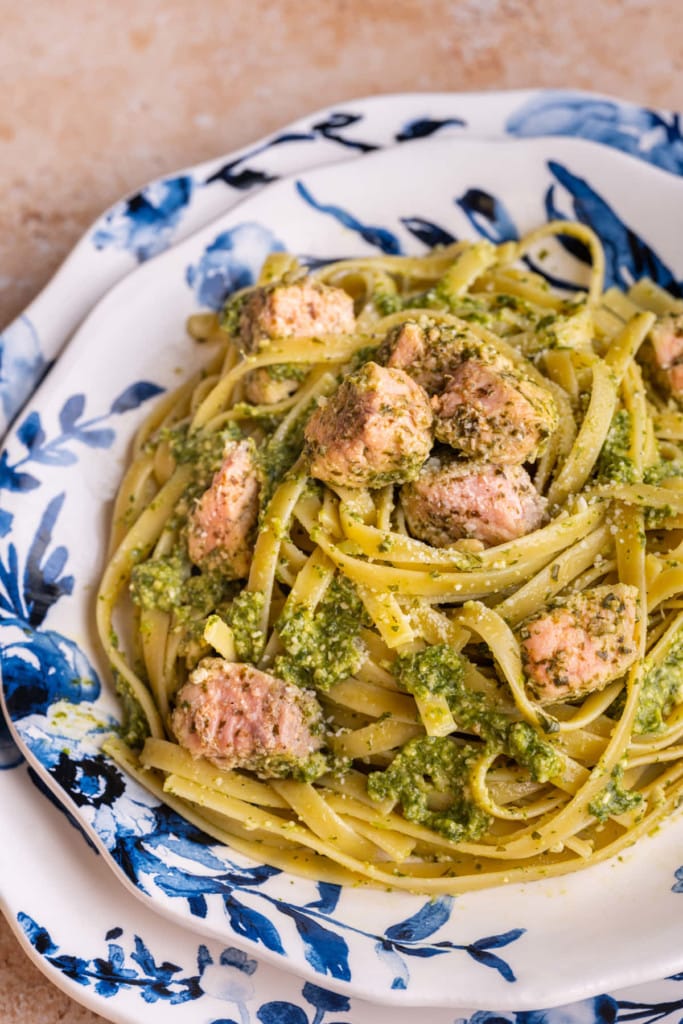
169,585
387,303
323,647
614,462
525,746
276,457
244,618
232,312
202,449
665,469
159,582
287,371
280,766
440,670
426,764
134,728
614,799
661,690
464,306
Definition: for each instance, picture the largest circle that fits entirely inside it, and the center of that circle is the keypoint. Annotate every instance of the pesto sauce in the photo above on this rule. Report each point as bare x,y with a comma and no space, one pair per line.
232,312
159,582
432,298
276,458
323,647
662,690
655,518
437,669
360,357
665,469
169,585
614,799
203,449
423,765
614,462
287,371
440,670
387,303
282,767
244,619
134,728
526,747
204,593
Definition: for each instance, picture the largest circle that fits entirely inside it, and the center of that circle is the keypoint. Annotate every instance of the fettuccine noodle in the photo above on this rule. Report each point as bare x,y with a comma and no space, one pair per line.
518,787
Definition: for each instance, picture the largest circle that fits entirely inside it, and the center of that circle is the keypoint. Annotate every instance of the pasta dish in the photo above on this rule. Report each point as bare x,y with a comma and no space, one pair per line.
395,586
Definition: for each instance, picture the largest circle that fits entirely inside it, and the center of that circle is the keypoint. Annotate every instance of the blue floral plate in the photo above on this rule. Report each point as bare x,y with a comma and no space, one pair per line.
384,946
165,211
108,951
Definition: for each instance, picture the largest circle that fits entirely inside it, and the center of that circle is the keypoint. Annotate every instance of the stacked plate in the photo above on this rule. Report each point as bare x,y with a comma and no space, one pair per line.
132,910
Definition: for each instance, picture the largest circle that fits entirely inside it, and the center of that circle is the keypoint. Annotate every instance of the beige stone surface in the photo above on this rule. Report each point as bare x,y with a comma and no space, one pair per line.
25,995
97,97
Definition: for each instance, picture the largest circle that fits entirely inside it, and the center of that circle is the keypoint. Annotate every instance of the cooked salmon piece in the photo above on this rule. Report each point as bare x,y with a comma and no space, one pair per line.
405,346
298,310
666,339
484,406
495,414
581,644
239,717
431,352
222,524
374,430
268,385
453,498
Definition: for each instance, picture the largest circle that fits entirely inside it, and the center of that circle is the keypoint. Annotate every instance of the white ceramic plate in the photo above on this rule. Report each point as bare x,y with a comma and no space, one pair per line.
388,947
121,960
167,210
108,951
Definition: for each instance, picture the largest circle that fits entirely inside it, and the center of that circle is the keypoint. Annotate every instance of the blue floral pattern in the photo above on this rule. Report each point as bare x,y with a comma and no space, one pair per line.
144,224
10,755
379,237
646,134
147,222
44,670
128,964
21,365
46,676
231,261
41,667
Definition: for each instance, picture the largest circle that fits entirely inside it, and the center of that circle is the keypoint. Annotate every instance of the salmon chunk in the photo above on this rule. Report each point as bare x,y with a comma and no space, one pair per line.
271,384
484,406
239,717
581,644
374,430
666,339
431,352
299,310
222,523
452,499
495,414
303,309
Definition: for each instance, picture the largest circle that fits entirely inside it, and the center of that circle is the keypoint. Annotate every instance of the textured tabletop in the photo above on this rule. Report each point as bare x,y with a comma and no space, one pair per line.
99,98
